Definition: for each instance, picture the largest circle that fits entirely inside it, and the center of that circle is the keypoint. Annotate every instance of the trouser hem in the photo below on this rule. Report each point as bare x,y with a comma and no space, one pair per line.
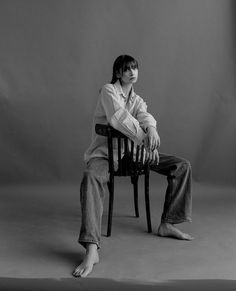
83,242
175,221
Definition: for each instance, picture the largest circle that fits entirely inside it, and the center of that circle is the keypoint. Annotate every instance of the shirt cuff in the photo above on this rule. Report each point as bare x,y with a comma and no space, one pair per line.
140,136
146,128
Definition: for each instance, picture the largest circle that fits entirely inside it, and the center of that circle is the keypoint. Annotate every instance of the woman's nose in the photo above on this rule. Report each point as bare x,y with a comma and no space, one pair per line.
131,71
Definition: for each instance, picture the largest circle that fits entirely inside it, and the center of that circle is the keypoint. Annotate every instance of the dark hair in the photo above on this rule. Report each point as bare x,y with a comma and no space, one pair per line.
121,64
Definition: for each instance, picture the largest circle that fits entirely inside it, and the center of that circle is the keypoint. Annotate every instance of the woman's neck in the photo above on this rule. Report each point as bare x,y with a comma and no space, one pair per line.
126,88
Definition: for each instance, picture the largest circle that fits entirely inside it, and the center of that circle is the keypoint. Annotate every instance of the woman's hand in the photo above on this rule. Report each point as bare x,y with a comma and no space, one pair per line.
151,157
152,139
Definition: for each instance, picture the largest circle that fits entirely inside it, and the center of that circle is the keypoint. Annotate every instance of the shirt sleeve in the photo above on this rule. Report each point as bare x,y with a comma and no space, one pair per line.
118,117
145,119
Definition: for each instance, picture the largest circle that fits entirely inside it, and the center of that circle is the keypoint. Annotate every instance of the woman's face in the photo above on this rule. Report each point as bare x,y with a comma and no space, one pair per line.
130,75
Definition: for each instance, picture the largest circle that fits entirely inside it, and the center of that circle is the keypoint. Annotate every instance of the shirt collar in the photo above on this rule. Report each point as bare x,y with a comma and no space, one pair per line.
119,90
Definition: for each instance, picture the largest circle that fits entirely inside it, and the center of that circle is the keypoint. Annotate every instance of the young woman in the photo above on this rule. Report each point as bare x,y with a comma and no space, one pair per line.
121,107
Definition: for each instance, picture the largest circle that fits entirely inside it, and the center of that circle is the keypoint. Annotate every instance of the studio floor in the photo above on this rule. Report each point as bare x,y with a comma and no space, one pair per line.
39,227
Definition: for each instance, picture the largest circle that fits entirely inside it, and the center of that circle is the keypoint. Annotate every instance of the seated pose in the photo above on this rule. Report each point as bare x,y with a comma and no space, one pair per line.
123,109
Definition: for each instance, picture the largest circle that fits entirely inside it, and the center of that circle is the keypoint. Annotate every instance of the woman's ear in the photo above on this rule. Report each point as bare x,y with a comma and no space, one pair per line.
118,74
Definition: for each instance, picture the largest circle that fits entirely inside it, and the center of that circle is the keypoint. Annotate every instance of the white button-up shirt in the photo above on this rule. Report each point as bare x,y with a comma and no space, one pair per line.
127,114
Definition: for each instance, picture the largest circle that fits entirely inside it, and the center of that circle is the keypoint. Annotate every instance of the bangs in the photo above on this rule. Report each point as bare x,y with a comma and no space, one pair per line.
130,65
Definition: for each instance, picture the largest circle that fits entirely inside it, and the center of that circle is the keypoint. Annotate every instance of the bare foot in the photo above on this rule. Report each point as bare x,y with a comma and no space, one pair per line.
91,258
169,230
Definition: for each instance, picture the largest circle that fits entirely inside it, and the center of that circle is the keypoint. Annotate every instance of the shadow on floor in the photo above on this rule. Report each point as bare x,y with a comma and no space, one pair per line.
94,284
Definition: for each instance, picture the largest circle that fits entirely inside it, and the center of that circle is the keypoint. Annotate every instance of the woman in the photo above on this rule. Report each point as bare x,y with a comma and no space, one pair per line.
122,108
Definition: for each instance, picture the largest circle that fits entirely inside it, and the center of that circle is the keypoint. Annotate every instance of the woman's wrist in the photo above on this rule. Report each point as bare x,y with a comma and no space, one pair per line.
151,127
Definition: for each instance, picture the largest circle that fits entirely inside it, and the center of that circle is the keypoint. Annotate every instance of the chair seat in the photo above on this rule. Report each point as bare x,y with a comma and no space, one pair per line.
134,169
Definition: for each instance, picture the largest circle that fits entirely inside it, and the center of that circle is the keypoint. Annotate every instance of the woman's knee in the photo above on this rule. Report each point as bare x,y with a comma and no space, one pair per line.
186,166
93,175
183,166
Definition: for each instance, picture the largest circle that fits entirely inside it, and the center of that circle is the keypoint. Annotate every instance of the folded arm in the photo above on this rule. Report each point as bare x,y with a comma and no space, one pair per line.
119,117
148,122
139,128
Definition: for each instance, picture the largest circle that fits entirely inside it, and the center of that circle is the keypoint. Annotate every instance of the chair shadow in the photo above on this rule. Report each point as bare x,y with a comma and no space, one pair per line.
125,222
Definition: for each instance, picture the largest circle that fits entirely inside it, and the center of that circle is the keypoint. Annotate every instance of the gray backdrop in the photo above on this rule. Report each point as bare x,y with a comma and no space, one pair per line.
55,55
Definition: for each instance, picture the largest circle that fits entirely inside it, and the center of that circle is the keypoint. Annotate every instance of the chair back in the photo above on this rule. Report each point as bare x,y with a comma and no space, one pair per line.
129,156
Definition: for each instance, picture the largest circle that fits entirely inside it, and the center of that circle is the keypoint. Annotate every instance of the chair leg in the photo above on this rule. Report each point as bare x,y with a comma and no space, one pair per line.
147,202
135,185
110,210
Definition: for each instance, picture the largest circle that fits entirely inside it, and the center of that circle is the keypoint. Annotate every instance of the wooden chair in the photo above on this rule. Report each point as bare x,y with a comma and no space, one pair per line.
127,166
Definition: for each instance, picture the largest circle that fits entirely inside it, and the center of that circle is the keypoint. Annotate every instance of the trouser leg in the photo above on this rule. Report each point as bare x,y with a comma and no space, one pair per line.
92,194
178,199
